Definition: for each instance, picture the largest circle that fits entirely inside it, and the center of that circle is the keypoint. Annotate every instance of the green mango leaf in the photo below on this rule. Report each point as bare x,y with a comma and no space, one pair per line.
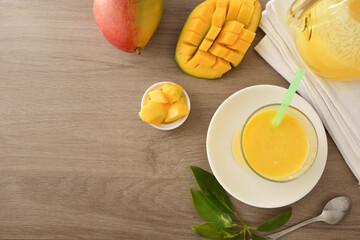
256,237
215,231
212,189
275,222
208,212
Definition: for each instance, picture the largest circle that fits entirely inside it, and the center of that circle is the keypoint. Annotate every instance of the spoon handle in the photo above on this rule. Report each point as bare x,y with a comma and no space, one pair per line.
290,229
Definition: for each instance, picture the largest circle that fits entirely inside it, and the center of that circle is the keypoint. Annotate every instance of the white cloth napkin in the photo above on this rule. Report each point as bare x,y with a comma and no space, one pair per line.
337,103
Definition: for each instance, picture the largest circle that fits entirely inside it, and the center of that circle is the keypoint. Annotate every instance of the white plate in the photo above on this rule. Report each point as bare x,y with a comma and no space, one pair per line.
240,182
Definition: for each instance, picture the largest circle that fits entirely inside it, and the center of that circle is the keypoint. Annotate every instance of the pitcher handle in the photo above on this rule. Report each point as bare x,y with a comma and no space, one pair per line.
297,12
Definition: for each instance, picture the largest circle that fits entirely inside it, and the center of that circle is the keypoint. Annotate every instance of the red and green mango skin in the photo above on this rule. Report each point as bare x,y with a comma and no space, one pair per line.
128,24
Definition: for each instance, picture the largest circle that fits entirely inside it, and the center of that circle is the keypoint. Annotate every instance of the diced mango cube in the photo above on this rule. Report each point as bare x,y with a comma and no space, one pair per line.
255,19
222,4
182,58
204,14
238,61
233,26
177,110
233,10
158,96
211,5
218,50
240,45
246,35
218,18
211,73
153,113
221,65
251,1
196,59
199,26
187,49
213,33
205,45
172,92
226,38
233,56
166,107
208,60
202,58
246,12
193,38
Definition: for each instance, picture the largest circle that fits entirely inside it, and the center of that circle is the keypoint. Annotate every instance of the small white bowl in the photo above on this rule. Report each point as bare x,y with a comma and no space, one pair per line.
165,126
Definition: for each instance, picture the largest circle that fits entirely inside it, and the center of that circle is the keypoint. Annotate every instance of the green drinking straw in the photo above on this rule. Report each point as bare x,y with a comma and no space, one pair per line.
288,97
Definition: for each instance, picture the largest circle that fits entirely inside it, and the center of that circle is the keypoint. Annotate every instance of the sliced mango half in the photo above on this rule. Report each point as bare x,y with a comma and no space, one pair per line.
216,36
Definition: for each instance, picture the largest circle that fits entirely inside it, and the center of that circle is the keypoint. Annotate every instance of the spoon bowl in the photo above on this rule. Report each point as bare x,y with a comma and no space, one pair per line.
334,211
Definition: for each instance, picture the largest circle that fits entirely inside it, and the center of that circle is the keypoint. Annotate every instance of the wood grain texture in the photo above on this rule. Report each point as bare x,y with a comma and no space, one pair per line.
75,160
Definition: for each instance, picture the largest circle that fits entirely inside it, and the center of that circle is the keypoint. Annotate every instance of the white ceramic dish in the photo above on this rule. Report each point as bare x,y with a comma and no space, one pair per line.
168,126
240,182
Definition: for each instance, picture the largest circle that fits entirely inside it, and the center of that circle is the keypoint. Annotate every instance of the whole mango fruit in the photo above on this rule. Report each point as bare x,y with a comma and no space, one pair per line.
128,24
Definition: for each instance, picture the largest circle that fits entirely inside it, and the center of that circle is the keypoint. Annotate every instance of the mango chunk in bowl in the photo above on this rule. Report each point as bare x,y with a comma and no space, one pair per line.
165,106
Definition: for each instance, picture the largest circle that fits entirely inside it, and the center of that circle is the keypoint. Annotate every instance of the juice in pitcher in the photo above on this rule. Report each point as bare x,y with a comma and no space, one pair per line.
328,36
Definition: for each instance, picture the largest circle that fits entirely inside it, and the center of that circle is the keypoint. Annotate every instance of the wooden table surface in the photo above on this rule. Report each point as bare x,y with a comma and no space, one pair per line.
75,159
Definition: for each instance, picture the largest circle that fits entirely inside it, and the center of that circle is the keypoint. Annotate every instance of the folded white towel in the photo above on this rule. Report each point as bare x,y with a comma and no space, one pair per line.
337,103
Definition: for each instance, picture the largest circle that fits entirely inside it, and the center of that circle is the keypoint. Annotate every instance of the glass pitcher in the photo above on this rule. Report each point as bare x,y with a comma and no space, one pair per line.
328,36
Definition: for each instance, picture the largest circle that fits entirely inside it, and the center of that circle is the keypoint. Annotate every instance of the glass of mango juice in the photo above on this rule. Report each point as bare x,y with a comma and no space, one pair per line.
277,153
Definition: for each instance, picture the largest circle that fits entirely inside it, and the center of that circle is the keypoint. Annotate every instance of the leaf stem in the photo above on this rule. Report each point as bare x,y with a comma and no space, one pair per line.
237,225
241,221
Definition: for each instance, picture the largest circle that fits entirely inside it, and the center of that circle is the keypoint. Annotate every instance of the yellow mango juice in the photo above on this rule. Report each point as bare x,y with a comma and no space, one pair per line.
274,151
277,153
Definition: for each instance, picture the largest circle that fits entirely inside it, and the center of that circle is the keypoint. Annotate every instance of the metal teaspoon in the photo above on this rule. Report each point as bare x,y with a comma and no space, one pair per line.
334,211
